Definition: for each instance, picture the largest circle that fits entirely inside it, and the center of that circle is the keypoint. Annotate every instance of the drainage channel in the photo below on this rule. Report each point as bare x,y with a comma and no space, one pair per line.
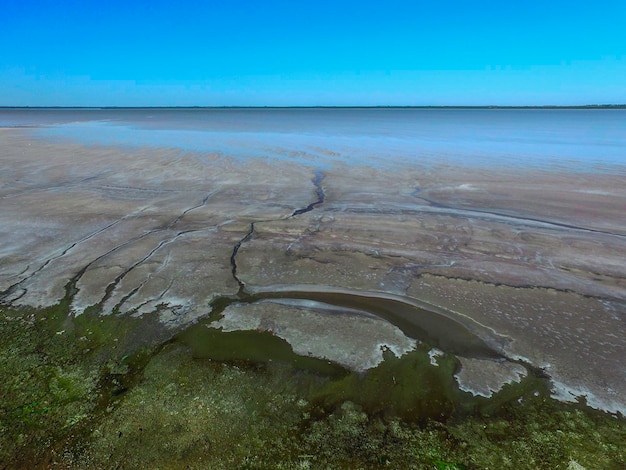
429,324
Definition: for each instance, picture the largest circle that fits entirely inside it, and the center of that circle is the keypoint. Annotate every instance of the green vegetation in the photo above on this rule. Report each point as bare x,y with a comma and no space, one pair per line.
114,392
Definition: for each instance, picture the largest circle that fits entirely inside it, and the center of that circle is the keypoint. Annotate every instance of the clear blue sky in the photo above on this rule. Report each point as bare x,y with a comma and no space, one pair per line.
281,53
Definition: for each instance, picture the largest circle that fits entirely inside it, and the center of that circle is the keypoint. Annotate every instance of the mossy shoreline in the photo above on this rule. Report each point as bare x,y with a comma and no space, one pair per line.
118,392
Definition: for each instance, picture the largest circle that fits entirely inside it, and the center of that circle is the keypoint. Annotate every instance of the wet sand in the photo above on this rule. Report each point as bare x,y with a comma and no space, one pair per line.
530,261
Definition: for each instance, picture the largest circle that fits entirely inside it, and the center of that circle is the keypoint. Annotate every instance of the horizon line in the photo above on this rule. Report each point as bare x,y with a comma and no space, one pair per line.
584,106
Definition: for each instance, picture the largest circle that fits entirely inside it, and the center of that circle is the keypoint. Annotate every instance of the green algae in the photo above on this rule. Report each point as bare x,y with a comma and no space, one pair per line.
249,347
118,392
58,372
409,387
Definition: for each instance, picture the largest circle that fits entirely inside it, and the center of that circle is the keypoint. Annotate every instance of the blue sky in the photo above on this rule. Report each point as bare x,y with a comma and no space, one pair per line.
289,53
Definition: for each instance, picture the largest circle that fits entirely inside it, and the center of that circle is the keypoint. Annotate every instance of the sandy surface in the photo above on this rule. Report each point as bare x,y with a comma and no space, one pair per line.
537,257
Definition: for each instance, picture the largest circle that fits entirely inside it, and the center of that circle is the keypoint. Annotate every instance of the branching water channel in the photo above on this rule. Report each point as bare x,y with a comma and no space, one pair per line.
419,320
433,326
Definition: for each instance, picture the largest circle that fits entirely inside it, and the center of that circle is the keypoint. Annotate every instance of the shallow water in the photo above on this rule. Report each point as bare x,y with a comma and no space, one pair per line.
437,329
574,139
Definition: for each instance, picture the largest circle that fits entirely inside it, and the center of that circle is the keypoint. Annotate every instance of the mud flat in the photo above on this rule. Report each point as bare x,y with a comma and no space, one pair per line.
549,278
527,262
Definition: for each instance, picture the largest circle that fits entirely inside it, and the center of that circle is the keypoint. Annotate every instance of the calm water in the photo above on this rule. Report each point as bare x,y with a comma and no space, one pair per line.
584,140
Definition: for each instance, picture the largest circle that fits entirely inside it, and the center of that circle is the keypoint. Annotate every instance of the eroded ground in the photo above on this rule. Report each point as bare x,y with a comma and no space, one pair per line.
530,263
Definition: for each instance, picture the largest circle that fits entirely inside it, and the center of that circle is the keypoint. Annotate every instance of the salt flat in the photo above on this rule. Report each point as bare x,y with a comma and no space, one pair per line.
530,261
